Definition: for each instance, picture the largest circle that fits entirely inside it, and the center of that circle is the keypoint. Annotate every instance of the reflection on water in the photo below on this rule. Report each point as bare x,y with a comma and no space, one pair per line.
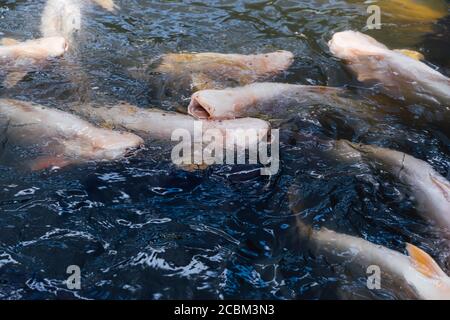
143,228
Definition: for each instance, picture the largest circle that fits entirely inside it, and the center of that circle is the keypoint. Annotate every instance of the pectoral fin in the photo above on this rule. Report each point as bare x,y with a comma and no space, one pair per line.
412,54
13,78
46,162
424,263
8,42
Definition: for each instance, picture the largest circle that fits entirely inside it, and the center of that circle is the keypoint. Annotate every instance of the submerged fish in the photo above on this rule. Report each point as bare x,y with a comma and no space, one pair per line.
423,11
270,98
188,72
393,73
19,58
437,43
406,22
415,274
62,137
430,190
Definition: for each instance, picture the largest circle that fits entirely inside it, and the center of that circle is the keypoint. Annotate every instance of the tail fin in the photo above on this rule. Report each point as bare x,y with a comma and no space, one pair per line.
424,263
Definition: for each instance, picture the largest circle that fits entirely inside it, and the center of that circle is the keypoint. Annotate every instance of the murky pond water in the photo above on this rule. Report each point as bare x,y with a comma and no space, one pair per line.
143,228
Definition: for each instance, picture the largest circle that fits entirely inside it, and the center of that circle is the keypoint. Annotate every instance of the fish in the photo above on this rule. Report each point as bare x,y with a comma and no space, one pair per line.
209,137
391,72
64,17
158,124
423,11
430,190
184,73
19,58
264,98
61,137
61,18
415,275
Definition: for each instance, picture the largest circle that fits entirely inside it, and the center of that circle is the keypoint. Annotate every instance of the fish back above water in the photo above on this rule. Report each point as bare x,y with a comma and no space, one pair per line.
189,72
266,98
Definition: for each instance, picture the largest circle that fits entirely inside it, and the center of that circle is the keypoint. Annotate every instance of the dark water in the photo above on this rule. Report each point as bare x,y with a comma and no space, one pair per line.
142,228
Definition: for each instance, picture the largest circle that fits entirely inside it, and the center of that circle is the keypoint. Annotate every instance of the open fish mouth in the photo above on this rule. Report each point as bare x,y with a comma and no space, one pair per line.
198,108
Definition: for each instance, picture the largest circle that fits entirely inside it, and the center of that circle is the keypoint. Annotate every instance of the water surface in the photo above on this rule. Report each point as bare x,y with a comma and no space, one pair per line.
142,228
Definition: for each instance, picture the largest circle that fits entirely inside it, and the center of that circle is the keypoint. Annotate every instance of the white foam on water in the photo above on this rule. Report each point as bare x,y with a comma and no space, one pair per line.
26,192
5,258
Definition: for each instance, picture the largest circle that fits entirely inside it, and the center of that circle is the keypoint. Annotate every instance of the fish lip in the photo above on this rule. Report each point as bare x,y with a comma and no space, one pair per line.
198,108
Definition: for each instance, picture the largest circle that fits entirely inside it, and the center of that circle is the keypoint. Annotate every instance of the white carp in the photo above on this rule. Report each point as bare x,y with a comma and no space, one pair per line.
209,70
416,275
19,58
63,138
158,124
262,98
64,17
430,190
392,72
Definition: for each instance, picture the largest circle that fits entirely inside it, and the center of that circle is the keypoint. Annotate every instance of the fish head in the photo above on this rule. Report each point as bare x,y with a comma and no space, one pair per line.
391,160
350,45
426,277
217,104
107,5
273,62
111,145
368,59
53,46
345,150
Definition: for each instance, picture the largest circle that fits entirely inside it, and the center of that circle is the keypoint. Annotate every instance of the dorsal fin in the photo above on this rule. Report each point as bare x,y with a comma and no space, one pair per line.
424,263
442,185
8,42
411,53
